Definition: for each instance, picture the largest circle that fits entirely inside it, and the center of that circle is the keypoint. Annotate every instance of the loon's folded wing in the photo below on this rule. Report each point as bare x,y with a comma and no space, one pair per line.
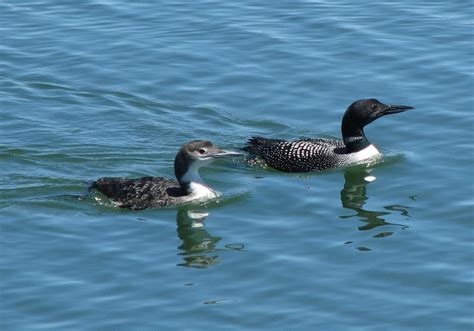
139,193
295,156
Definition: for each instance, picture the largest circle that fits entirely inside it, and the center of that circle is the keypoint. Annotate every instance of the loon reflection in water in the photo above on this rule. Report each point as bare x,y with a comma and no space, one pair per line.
198,246
155,192
316,154
354,196
197,243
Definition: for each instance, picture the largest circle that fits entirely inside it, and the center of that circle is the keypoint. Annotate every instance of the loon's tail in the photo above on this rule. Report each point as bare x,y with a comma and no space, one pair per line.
254,144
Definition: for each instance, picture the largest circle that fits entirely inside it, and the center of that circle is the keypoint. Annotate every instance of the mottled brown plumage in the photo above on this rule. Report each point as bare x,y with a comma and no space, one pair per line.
141,193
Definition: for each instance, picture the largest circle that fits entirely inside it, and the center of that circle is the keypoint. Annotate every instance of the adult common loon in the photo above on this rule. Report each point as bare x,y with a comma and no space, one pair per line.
155,192
321,153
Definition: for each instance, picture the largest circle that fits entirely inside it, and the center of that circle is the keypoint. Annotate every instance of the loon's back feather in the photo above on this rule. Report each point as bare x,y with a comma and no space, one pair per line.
297,156
140,193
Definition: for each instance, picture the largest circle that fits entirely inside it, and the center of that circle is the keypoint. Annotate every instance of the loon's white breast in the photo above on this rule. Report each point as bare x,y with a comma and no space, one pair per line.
367,153
200,191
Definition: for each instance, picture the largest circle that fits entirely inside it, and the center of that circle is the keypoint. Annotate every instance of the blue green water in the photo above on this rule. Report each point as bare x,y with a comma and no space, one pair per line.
113,88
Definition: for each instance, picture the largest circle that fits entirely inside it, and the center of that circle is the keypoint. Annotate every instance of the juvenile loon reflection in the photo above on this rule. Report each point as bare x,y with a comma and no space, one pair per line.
197,242
354,196
198,247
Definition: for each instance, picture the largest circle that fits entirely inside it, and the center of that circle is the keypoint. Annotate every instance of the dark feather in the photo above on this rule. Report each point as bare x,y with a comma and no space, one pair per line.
140,193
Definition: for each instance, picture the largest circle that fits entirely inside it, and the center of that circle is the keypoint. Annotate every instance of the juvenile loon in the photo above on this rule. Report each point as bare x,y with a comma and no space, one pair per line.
322,153
155,192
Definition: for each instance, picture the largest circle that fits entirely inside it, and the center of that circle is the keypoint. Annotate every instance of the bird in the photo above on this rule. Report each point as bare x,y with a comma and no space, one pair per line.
318,154
157,192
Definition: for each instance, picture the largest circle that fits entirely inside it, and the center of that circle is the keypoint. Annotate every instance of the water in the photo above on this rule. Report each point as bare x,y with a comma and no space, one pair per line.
112,88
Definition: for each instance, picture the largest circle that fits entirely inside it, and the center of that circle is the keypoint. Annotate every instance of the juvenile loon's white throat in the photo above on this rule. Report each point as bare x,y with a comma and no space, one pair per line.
316,154
194,183
192,174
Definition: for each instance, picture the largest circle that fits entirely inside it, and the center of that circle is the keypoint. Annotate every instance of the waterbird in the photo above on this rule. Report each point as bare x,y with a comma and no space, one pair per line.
156,192
317,154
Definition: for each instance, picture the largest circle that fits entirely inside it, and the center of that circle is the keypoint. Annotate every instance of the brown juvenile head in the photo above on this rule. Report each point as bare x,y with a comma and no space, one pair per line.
194,155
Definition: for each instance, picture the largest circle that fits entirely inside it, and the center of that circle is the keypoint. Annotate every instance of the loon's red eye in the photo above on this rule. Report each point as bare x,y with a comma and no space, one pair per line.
202,151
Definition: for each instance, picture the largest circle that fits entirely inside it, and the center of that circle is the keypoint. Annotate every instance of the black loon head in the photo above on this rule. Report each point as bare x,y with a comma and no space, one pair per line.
194,155
359,114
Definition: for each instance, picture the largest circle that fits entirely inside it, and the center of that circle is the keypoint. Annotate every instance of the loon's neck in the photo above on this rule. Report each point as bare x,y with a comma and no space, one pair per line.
353,136
194,186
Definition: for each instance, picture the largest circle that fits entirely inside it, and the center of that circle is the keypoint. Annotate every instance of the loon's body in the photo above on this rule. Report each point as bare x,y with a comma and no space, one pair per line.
156,192
306,155
318,154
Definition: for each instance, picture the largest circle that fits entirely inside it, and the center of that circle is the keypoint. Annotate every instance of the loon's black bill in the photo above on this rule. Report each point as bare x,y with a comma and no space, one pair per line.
393,109
223,153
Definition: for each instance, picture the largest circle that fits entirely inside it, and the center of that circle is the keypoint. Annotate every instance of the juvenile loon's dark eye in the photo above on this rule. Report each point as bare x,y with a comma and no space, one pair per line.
202,151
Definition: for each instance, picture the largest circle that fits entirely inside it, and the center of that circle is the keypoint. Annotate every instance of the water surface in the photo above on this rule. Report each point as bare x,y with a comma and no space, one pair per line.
112,88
